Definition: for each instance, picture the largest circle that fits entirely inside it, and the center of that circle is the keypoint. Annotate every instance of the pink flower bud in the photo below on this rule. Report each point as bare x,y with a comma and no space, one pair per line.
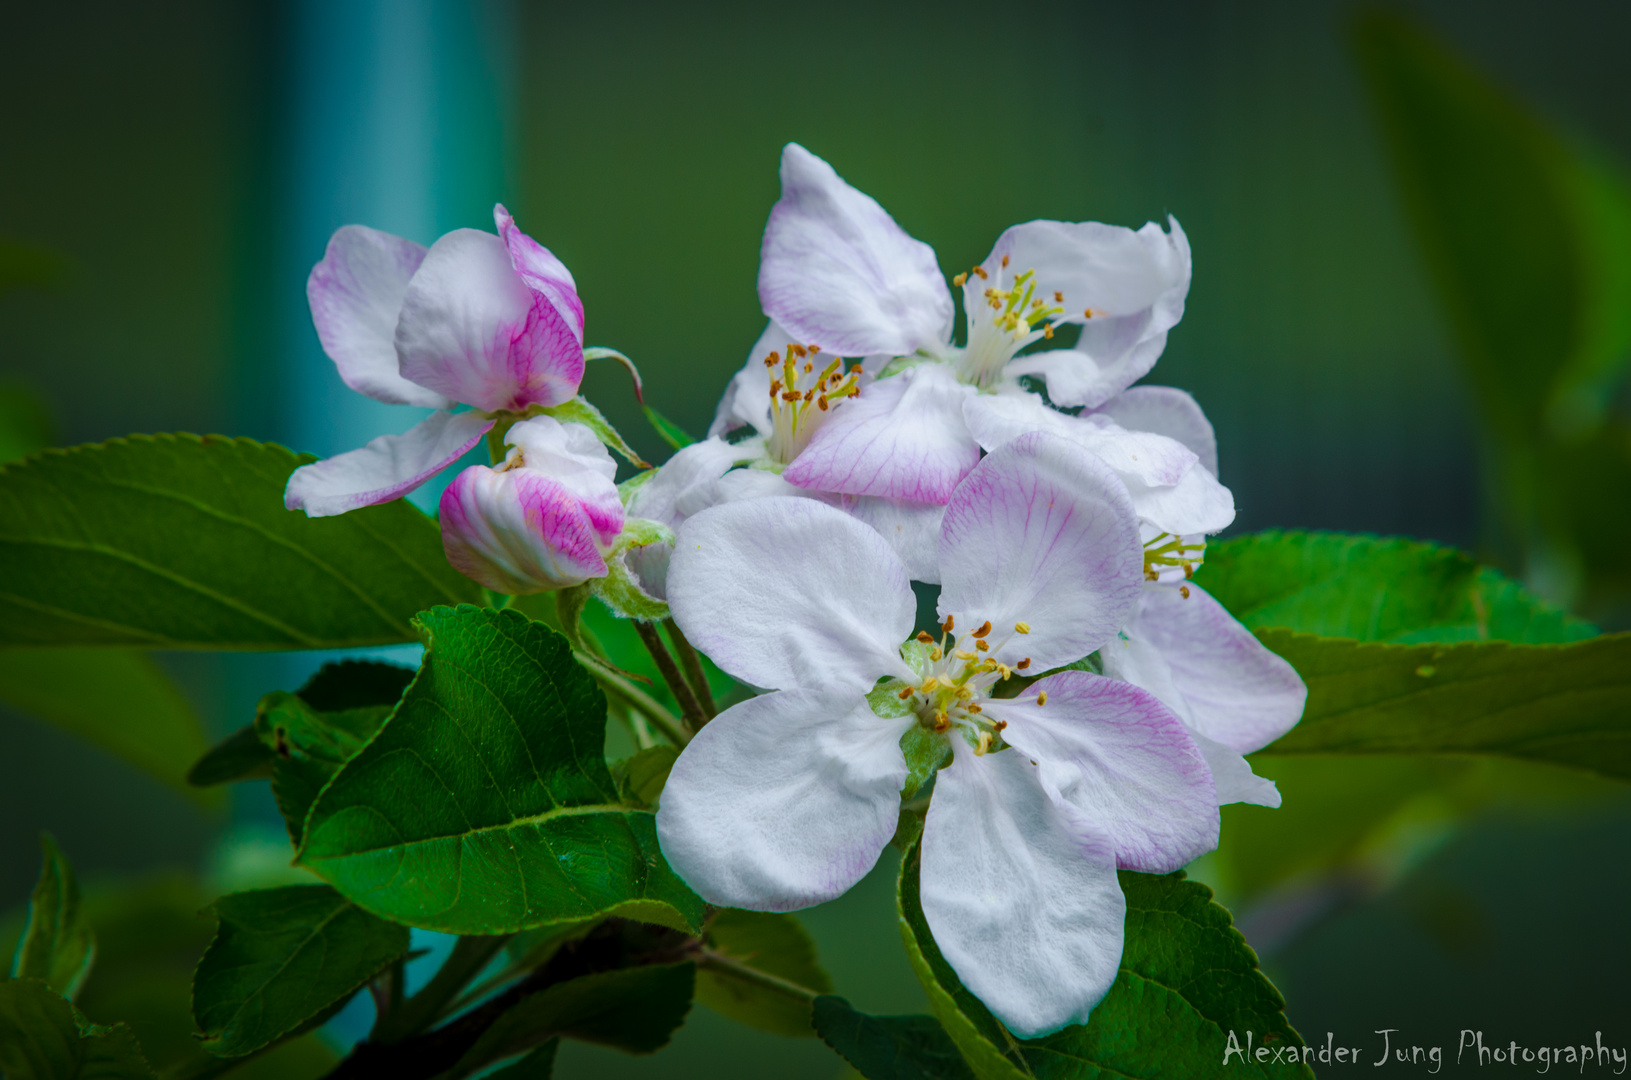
542,520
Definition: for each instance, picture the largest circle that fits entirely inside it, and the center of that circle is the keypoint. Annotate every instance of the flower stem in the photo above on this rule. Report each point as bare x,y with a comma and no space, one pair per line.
665,721
708,960
693,669
690,707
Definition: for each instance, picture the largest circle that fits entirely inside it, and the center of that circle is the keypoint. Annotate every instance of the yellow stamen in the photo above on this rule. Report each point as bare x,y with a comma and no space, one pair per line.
960,280
1042,698
984,630
1022,628
979,643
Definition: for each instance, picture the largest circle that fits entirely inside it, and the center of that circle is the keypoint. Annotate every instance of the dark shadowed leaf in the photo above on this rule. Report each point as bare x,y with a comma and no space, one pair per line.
282,957
484,805
57,945
180,542
889,1047
1187,979
43,1037
776,945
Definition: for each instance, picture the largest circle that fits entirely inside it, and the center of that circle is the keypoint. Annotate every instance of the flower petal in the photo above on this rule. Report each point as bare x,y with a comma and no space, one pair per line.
1122,758
901,438
387,468
783,801
1168,411
1237,692
1020,893
1134,283
573,457
685,485
472,329
838,272
541,271
912,529
785,592
1197,504
523,531
356,295
1041,532
1233,777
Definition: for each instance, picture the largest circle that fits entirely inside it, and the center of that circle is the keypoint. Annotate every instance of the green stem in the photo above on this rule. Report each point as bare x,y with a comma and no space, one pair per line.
690,707
693,669
665,721
708,960
469,956
208,1067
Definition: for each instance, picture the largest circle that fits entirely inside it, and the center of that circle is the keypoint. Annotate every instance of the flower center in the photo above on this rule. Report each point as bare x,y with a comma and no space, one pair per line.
801,400
1169,558
957,675
1003,318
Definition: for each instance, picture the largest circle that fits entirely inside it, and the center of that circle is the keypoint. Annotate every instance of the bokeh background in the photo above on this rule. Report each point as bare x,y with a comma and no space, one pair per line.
172,170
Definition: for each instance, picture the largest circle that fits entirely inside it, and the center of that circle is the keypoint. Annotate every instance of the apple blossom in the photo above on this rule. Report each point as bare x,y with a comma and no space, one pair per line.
546,518
787,799
837,271
489,321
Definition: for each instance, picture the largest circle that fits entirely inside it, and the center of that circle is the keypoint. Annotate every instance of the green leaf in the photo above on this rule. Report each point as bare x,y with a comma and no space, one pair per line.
282,957
538,1065
57,945
1376,589
118,700
1564,704
633,1009
1187,980
308,748
180,542
889,1047
776,945
43,1037
355,684
484,805
641,777
670,432
1526,238
240,756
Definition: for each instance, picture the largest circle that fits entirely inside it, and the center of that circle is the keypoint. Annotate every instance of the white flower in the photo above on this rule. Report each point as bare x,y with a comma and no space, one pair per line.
786,800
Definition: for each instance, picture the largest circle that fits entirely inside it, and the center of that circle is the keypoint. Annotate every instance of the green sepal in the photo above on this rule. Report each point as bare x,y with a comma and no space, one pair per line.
579,411
670,432
628,489
620,589
57,945
600,352
926,754
903,363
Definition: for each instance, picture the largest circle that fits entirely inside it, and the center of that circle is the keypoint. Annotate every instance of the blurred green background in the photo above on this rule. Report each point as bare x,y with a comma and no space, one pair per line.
172,171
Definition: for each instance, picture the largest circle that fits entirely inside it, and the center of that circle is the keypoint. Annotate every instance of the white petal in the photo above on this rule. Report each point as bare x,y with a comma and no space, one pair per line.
356,295
785,592
912,529
1135,285
1238,692
783,801
472,329
521,531
1124,760
685,485
572,456
995,419
903,437
387,468
1196,504
746,401
838,272
1168,411
1232,775
542,272
1020,893
1041,532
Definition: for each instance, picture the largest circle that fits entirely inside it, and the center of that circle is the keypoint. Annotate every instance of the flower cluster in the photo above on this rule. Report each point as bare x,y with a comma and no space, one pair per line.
1080,706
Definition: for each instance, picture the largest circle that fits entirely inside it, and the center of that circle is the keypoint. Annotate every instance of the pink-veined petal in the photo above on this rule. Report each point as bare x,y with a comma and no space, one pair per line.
356,295
387,468
783,801
541,271
521,531
1238,692
471,329
1168,411
903,437
1122,758
685,485
1020,892
574,457
912,529
838,272
1041,532
785,592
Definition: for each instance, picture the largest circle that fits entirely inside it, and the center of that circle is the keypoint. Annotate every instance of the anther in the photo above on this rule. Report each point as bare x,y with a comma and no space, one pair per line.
1042,698
980,270
960,280
1088,314
1058,297
961,655
923,636
906,693
984,630
1183,591
999,725
951,621
930,685
980,643
935,654
809,366
1022,628
1005,262
1023,664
